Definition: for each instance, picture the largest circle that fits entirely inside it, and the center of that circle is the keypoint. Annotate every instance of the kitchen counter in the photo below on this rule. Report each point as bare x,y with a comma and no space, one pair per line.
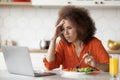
45,51
4,75
114,51
38,50
34,50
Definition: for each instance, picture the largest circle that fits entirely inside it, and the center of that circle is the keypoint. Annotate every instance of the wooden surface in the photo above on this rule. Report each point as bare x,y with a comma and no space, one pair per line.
38,51
114,51
15,4
45,51
34,50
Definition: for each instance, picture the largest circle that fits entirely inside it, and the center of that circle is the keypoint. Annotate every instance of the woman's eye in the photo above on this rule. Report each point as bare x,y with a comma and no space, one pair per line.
69,27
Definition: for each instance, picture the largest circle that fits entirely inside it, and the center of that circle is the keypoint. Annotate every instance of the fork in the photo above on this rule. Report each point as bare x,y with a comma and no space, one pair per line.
76,68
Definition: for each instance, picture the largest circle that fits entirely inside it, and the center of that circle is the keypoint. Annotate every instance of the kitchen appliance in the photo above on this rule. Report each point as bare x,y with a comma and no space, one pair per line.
44,44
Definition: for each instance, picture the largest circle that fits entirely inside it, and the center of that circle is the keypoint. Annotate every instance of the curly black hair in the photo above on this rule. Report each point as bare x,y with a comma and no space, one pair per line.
82,20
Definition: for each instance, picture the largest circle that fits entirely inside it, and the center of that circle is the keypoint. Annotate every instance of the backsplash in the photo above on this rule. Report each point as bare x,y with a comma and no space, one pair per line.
28,25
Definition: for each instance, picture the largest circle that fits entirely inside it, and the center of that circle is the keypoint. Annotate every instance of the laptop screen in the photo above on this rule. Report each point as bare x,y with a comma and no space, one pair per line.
18,60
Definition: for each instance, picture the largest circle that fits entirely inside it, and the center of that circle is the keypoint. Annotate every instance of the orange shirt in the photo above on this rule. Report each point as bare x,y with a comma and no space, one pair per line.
66,56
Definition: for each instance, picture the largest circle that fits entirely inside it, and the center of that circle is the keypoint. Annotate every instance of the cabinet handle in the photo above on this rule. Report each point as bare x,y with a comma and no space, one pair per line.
96,2
69,2
101,2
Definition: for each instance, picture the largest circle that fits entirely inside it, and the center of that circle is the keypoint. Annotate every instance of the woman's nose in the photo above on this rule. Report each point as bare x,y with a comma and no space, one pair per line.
66,32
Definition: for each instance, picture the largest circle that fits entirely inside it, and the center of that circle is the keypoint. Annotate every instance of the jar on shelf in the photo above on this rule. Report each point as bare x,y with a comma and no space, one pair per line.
10,43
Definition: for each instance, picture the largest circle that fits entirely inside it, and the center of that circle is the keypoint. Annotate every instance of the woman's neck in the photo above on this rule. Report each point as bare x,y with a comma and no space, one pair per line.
78,44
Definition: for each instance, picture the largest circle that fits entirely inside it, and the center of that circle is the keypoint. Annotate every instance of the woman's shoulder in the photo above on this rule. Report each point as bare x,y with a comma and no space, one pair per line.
94,40
62,42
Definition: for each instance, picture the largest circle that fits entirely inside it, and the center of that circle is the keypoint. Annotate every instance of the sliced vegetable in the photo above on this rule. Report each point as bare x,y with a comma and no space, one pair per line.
86,70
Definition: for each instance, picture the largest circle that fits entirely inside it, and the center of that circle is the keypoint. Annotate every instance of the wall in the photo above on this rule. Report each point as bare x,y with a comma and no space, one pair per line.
28,25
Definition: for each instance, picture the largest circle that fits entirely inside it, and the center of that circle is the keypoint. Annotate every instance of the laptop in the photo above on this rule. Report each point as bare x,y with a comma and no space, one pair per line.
18,61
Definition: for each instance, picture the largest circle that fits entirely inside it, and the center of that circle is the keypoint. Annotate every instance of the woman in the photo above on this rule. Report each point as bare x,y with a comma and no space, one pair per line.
78,47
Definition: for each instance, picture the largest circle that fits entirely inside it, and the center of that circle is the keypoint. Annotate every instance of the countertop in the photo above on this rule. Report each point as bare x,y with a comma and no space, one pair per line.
34,50
4,75
45,51
114,51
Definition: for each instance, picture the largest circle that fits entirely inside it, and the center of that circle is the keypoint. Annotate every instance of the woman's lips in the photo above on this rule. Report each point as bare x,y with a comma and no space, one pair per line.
67,38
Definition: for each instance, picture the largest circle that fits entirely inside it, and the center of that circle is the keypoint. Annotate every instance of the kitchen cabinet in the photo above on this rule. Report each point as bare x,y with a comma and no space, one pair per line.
108,2
37,61
84,3
50,2
55,3
93,3
2,62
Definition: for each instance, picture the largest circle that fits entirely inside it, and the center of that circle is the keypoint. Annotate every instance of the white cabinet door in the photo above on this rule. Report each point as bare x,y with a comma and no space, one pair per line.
96,2
83,2
111,2
37,61
107,2
2,61
63,2
50,2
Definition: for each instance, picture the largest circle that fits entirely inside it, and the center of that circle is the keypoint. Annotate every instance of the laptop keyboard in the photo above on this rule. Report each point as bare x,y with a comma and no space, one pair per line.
44,74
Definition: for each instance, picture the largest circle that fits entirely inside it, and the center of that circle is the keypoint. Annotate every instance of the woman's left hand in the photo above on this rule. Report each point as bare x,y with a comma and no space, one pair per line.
89,60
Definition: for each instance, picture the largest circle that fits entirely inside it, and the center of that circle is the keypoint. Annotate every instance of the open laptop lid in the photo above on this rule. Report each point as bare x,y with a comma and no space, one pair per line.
18,60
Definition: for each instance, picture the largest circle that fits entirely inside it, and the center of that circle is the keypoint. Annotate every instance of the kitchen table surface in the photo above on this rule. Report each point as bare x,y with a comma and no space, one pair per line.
4,75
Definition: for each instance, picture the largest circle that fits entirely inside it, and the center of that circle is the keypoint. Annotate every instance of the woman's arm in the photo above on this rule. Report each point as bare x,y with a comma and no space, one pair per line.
98,58
102,66
51,51
50,54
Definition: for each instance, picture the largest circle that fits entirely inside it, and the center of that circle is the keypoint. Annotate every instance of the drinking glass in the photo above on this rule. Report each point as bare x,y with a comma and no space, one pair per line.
114,65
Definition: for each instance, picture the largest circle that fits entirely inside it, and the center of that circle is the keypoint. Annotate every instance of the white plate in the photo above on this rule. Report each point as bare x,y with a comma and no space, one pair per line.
73,73
69,74
78,73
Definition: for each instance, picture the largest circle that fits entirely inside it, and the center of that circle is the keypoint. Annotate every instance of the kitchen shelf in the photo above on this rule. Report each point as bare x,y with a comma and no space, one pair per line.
114,51
34,50
38,50
15,4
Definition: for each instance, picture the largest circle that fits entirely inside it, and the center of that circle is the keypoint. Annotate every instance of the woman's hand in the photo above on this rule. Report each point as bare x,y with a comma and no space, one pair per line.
89,60
58,30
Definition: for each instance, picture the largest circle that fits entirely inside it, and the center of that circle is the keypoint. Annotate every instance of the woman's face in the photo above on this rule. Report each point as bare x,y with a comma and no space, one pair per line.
69,31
